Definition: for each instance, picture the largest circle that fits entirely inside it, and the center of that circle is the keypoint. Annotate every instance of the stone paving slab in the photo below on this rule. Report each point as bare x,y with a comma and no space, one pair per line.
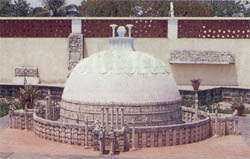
22,144
4,122
244,128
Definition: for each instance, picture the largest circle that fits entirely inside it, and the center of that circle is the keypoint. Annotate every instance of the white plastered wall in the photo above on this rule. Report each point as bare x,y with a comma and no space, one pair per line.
48,54
237,74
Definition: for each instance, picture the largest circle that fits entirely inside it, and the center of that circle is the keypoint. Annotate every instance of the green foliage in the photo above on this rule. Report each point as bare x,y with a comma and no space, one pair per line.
4,109
40,12
124,8
227,8
55,7
27,96
19,8
5,8
193,9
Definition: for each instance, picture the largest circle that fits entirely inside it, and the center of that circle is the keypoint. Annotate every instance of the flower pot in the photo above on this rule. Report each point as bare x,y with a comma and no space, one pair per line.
196,84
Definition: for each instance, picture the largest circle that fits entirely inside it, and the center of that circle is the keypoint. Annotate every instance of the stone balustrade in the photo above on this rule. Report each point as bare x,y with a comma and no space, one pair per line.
19,119
192,130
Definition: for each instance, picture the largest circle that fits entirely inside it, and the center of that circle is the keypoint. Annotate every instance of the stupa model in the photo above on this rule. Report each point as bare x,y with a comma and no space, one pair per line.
121,87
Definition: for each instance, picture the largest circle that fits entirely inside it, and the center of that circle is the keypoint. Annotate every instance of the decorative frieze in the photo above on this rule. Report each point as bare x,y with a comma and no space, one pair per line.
75,49
142,28
201,57
215,29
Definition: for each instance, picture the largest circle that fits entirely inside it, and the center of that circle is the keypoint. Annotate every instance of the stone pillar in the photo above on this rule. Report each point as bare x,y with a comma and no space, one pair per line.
133,136
48,103
102,111
107,118
112,118
122,117
102,142
196,104
75,49
117,118
235,125
112,146
86,134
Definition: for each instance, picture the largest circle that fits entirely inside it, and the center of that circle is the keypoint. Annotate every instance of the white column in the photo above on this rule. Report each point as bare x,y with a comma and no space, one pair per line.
76,26
172,29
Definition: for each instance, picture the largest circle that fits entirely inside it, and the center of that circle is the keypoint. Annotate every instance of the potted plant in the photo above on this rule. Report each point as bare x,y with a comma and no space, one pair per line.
196,84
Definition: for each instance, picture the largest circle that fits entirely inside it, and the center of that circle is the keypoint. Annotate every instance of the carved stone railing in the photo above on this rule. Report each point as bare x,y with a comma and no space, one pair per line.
201,57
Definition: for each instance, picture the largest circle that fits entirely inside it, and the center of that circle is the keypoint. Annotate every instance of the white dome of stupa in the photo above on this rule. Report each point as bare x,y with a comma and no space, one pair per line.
121,76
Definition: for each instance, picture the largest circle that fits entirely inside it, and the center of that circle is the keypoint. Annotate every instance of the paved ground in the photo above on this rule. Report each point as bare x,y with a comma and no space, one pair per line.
244,128
22,144
4,122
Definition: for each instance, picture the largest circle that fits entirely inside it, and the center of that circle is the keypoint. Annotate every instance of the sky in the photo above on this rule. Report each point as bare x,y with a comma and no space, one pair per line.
38,3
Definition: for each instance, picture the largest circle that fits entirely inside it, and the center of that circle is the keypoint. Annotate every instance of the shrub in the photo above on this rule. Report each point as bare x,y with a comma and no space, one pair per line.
4,109
27,96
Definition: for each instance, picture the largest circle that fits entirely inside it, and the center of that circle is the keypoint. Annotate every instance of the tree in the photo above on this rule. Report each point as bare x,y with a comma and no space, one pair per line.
40,12
124,8
5,8
55,7
21,8
227,8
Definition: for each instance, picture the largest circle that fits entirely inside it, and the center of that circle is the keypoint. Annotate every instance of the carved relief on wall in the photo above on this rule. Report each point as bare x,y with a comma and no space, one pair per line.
75,48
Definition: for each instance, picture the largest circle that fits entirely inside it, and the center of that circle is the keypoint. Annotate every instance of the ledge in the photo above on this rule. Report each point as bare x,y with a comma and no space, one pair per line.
201,57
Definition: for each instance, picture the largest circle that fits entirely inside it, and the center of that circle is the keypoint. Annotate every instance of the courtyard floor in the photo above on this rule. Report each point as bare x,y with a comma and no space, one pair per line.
18,144
22,144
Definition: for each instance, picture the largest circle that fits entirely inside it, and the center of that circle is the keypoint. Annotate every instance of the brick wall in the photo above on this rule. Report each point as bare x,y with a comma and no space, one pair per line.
230,29
35,28
143,28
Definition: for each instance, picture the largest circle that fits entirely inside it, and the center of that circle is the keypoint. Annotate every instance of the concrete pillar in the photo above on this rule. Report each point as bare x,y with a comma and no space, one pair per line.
76,26
172,29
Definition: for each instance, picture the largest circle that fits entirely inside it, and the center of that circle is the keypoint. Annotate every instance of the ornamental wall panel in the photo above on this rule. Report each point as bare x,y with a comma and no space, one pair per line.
216,29
141,29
